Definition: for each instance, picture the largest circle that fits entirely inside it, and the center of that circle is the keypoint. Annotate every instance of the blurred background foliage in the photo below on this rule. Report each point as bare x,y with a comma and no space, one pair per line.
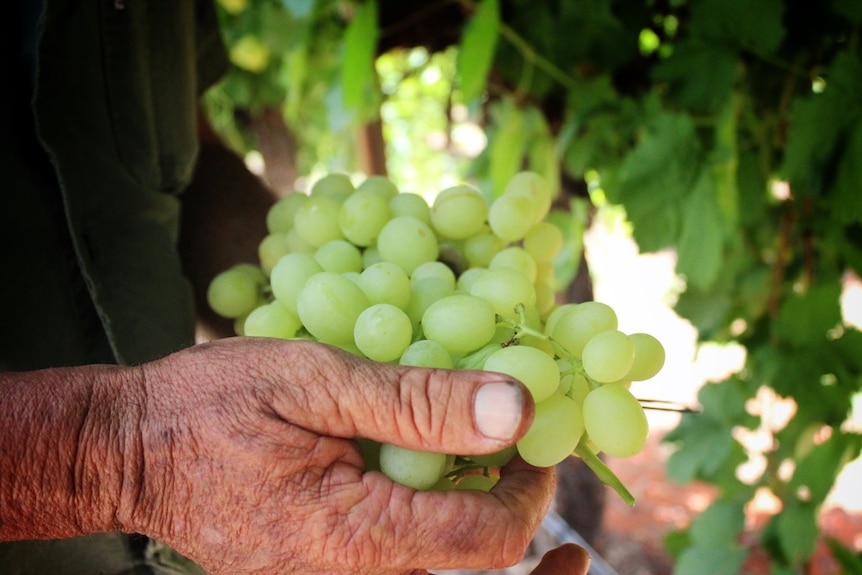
727,131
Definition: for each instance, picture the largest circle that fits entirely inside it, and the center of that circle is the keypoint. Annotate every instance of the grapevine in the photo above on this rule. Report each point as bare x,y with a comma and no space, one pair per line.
459,283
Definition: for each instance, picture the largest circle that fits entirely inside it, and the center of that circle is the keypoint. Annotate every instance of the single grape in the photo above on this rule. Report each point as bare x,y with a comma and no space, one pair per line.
533,186
615,421
481,248
461,323
382,332
339,256
546,297
576,325
407,204
426,353
517,258
556,430
380,185
297,245
544,241
328,306
433,269
556,314
280,216
476,482
385,282
534,368
289,276
407,242
458,212
511,217
608,356
316,221
335,186
236,291
496,459
417,469
423,293
468,277
505,288
649,357
370,256
272,320
370,451
270,249
362,216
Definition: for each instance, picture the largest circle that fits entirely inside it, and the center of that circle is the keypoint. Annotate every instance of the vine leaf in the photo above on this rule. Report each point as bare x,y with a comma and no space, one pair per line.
360,46
700,243
476,52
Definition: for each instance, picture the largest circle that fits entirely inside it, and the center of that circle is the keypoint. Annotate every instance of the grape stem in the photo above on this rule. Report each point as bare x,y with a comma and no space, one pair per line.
603,472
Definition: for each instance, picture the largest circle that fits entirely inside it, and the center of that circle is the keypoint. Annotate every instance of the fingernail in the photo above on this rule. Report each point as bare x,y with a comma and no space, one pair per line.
497,408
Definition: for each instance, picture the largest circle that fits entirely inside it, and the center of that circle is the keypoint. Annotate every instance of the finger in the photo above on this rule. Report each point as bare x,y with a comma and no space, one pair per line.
456,529
451,411
568,559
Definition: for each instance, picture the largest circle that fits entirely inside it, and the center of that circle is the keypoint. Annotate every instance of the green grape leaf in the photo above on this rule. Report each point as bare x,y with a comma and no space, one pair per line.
702,238
699,75
819,123
700,559
849,9
359,49
655,177
804,319
846,204
507,144
797,531
718,525
756,25
816,472
476,52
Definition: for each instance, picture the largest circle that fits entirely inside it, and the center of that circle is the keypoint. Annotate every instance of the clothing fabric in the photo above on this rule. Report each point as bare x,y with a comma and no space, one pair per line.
98,140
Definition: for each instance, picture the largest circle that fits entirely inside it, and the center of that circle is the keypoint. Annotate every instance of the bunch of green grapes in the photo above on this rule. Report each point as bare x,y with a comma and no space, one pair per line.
458,284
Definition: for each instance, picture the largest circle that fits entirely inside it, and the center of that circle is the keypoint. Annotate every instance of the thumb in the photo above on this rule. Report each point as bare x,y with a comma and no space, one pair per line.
567,559
451,411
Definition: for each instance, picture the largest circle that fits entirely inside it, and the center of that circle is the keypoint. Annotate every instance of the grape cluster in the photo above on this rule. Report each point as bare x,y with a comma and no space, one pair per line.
460,283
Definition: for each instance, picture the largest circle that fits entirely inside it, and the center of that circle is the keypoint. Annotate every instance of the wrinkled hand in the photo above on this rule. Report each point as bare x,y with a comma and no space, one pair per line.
245,464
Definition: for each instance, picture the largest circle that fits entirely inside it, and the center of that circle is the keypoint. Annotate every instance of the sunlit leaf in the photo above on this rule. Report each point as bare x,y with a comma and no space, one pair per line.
476,51
360,46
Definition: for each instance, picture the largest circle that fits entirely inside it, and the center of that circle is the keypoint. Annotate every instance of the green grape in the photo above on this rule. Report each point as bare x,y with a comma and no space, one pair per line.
426,353
297,245
556,314
334,186
615,421
546,297
608,356
461,323
649,357
505,288
476,483
328,306
270,249
370,256
236,291
496,459
467,278
533,367
517,258
339,256
544,241
385,282
382,332
407,204
272,320
533,186
417,469
459,212
481,248
316,221
423,293
289,276
362,216
280,216
576,325
579,387
407,242
380,185
545,272
511,217
556,430
433,269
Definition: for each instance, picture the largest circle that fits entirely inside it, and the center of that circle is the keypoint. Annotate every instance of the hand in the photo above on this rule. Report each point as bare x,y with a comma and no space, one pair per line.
245,463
